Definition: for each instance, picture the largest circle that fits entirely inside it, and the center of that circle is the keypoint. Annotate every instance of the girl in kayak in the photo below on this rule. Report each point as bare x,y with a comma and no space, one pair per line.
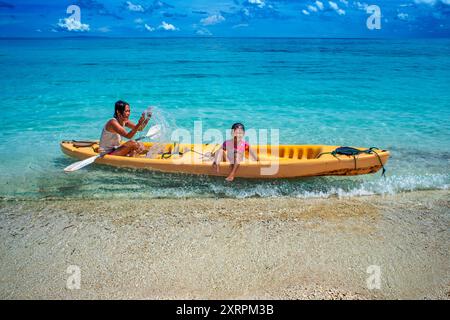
114,130
235,150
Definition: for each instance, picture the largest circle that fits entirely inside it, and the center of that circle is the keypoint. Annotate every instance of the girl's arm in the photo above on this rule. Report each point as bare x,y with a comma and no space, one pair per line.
219,155
253,154
217,159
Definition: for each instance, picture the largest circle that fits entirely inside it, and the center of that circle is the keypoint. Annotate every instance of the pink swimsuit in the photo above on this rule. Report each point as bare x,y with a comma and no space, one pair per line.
241,147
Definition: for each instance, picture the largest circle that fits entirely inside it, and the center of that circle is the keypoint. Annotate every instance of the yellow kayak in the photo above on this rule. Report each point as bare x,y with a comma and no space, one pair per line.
283,161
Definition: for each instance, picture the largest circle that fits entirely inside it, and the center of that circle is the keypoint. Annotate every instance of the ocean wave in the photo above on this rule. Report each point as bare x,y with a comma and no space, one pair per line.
338,187
138,185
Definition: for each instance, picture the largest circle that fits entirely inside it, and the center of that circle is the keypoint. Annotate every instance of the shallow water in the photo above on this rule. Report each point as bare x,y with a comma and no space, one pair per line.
387,93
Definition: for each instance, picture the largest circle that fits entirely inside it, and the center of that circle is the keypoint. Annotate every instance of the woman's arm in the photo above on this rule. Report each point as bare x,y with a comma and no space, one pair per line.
115,126
131,125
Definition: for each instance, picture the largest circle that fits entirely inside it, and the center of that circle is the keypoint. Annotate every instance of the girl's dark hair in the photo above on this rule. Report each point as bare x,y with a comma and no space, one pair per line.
237,125
119,107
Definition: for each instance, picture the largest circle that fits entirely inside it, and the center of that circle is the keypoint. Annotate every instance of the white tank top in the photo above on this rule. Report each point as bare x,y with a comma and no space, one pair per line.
108,140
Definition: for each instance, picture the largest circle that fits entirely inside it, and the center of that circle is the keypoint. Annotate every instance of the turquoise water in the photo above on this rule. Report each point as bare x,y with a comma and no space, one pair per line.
393,94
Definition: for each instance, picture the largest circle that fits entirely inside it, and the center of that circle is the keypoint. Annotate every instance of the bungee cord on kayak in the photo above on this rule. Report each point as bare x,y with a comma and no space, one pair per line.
350,151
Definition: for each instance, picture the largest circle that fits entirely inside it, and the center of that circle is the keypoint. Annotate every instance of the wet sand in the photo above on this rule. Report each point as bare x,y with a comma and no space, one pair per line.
280,248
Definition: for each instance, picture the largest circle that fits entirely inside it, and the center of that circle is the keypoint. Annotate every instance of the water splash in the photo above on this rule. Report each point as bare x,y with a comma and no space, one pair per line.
166,125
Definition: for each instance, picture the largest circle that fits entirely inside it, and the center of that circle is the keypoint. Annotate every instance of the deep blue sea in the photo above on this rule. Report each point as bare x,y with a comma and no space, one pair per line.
393,94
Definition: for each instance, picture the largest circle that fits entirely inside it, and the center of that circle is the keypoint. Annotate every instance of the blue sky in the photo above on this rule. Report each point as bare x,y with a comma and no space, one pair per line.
223,18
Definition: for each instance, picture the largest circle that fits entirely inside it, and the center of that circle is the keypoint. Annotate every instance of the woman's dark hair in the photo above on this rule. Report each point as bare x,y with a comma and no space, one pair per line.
119,107
237,125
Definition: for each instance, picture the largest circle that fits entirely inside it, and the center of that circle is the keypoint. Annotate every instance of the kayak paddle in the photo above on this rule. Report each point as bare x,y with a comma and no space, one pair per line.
152,132
81,164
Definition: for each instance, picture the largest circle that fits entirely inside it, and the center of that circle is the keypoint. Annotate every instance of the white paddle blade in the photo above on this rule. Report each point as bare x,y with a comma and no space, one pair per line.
156,136
153,130
80,164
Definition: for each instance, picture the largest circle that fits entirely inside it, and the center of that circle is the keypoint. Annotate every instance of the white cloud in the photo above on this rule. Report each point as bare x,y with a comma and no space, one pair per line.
70,24
305,12
433,2
139,21
134,7
319,5
259,3
211,20
430,2
167,26
361,5
149,28
241,25
333,5
403,16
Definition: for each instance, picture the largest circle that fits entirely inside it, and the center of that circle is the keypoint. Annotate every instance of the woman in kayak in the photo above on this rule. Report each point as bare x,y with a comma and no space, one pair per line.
114,130
235,150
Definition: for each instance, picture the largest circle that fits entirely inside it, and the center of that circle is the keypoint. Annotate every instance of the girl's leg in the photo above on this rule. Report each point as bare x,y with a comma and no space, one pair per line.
218,158
236,161
233,172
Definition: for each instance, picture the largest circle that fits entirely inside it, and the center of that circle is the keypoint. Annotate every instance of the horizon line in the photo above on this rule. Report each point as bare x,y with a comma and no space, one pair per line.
217,37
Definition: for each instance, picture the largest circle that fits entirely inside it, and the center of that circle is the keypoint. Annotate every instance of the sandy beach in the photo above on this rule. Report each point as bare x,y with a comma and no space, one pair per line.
280,248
